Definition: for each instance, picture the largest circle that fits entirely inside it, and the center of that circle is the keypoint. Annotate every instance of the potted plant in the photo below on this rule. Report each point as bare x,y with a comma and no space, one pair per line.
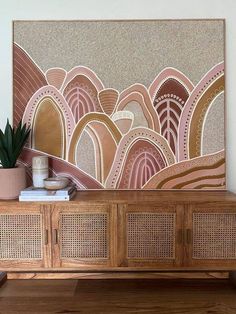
12,177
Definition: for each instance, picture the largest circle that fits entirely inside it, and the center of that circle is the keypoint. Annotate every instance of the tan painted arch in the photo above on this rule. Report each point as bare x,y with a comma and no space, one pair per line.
49,134
139,94
92,117
199,115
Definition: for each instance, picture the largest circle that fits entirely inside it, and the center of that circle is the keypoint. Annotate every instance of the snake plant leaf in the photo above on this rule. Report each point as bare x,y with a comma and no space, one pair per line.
21,143
12,142
9,136
17,133
4,159
1,139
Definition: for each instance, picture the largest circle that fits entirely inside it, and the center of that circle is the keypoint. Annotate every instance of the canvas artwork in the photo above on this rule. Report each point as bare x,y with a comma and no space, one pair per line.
123,104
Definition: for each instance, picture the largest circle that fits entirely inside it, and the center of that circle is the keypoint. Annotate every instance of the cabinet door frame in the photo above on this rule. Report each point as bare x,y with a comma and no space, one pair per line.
84,263
211,263
124,261
27,209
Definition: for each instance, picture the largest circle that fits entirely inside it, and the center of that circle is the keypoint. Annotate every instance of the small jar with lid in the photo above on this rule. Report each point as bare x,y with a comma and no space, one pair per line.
39,170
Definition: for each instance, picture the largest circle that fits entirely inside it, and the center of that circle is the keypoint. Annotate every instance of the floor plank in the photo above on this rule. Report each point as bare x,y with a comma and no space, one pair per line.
118,296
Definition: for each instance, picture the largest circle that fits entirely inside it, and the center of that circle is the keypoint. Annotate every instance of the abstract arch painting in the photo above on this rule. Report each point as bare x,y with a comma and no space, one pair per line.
123,104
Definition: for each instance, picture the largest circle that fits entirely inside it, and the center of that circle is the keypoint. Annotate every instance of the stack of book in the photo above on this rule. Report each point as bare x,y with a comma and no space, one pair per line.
35,194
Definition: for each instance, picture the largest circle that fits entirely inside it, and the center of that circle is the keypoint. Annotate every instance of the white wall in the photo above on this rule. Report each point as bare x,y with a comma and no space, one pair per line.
123,9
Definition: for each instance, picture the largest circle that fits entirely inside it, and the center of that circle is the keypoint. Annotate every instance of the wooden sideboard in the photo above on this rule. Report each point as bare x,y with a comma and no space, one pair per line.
119,233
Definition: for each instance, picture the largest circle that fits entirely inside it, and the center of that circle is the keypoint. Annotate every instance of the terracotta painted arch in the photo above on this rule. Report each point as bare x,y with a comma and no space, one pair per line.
165,75
83,71
143,160
158,141
55,77
139,93
108,99
169,92
27,78
82,97
211,84
169,111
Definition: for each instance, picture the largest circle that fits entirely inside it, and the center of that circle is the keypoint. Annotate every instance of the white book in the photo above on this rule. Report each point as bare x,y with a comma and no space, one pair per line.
31,191
42,198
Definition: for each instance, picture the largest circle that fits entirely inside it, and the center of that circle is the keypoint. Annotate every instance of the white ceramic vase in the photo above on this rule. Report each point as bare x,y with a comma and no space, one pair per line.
39,170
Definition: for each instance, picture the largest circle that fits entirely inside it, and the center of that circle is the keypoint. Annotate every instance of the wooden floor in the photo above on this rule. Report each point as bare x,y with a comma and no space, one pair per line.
118,296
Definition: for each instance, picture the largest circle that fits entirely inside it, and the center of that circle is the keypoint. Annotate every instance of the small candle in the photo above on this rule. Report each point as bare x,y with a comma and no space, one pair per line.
39,170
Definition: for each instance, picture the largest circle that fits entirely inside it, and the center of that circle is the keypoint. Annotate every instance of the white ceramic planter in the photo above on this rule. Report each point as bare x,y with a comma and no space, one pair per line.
12,181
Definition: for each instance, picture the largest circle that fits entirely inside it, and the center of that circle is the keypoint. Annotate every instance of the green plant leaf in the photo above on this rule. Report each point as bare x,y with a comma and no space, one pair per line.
4,159
1,138
9,136
12,142
17,134
20,146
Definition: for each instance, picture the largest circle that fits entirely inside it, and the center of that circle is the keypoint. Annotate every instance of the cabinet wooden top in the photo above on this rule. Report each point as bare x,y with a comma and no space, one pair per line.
155,196
146,196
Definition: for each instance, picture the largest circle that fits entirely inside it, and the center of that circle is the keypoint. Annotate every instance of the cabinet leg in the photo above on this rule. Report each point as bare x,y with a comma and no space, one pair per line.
232,277
3,278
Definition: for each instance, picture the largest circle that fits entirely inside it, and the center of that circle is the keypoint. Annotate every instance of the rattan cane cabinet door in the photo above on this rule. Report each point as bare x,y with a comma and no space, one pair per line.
24,242
83,235
150,236
211,236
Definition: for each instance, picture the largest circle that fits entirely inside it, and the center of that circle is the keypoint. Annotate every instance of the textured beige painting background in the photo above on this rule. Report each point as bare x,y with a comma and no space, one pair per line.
123,53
